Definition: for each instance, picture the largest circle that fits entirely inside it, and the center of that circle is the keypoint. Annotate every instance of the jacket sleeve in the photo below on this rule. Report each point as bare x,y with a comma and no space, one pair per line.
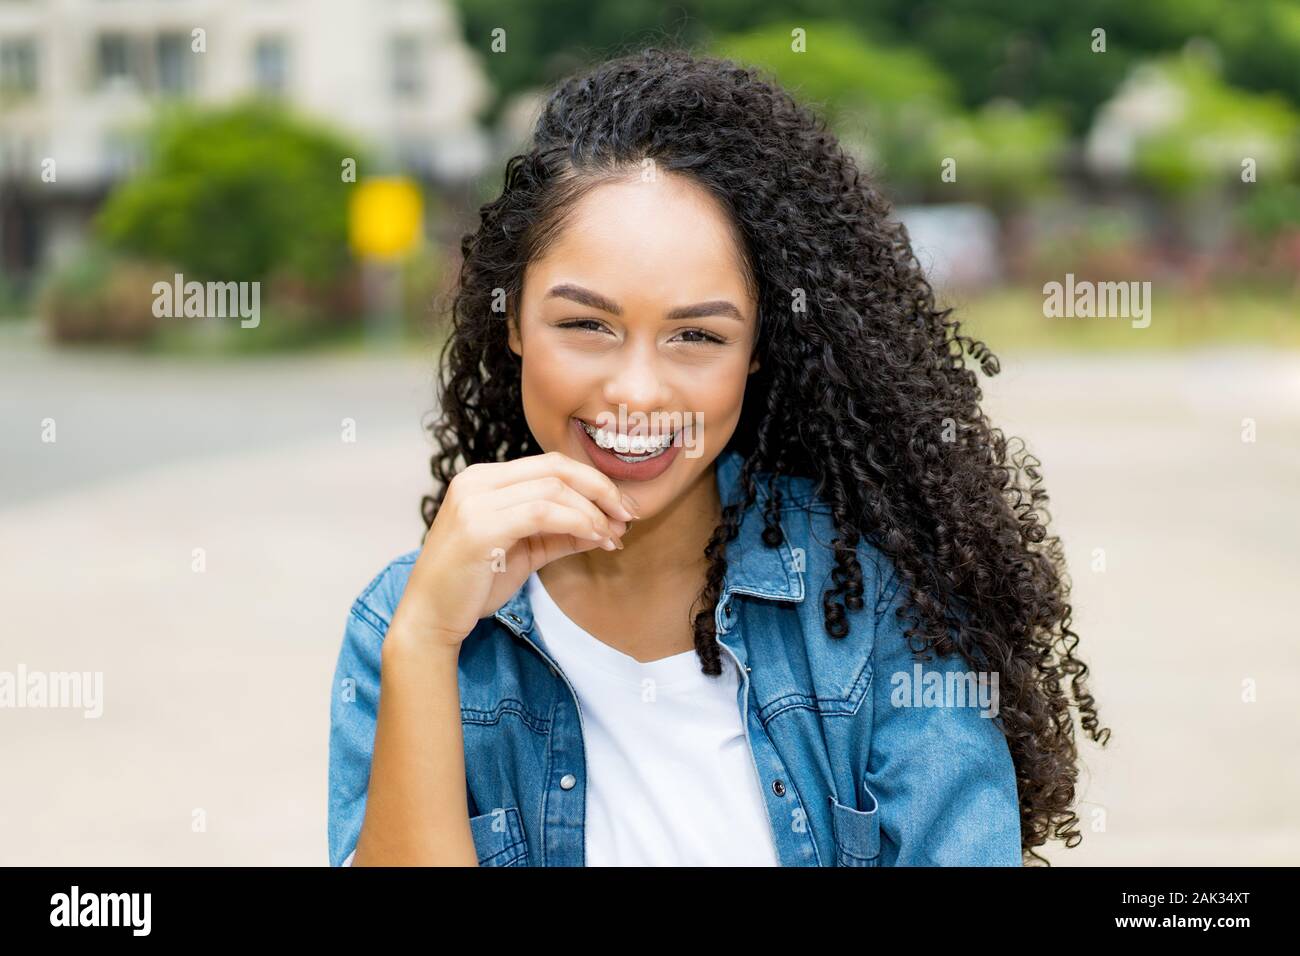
354,707
941,773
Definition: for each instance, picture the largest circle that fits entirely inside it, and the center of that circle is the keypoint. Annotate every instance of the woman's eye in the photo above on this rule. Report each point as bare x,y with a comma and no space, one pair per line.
591,325
694,336
705,338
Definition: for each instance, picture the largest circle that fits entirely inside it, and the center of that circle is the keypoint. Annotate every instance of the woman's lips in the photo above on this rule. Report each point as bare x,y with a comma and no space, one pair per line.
614,467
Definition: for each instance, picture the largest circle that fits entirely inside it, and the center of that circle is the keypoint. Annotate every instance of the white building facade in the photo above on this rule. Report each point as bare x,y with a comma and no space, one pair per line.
76,76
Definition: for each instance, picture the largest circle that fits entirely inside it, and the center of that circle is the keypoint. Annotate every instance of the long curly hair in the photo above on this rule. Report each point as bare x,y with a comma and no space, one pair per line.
899,447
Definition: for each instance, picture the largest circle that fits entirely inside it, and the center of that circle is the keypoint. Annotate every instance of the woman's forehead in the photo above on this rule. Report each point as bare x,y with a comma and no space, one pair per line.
661,238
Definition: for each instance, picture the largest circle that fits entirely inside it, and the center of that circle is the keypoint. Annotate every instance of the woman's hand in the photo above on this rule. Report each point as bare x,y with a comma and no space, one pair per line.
498,523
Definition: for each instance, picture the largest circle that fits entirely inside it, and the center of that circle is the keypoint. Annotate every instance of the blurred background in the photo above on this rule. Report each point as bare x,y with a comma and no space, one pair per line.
189,502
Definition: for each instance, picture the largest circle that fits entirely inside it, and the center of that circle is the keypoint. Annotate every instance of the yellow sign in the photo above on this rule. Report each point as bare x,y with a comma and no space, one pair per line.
384,217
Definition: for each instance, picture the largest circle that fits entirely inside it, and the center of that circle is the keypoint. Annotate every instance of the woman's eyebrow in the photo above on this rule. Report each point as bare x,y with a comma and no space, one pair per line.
576,293
702,309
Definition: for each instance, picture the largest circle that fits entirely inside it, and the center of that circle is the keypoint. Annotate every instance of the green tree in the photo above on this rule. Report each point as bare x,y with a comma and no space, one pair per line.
900,113
1035,53
1004,153
1210,128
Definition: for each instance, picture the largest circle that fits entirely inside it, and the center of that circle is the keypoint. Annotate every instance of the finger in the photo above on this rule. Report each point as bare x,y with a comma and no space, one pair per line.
545,548
542,516
554,488
583,478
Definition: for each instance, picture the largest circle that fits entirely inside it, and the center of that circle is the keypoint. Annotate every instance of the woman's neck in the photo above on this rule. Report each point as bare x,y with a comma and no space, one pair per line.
662,560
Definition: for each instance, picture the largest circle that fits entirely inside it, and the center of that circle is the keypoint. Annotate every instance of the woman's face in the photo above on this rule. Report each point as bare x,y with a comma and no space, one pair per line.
638,322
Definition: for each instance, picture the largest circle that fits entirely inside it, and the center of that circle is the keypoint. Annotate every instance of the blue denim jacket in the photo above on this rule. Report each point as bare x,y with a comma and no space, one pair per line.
858,766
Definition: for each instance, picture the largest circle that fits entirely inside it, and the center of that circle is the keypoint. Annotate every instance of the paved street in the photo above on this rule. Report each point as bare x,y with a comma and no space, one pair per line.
216,684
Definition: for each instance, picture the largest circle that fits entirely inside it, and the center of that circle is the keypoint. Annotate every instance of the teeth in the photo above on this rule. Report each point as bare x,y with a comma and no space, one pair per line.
639,446
635,458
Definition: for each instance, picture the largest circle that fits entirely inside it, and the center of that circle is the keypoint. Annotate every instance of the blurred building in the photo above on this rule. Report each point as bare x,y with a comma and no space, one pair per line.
77,75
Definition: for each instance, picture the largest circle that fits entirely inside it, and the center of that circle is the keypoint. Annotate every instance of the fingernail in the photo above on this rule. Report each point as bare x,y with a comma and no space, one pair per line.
629,503
609,545
619,542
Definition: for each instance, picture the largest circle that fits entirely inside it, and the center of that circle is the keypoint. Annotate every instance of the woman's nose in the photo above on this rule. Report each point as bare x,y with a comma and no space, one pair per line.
638,383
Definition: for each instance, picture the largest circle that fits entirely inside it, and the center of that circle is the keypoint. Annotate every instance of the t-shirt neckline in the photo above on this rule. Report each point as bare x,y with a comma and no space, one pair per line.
589,649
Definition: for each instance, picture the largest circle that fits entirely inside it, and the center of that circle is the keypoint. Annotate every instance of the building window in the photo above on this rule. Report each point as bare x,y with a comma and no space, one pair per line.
119,62
18,157
17,67
175,63
123,153
271,65
406,57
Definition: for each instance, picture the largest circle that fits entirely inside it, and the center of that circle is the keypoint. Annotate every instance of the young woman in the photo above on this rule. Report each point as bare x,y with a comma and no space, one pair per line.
725,564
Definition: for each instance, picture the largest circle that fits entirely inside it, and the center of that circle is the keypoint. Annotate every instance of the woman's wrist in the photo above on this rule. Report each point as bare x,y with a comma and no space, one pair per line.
409,638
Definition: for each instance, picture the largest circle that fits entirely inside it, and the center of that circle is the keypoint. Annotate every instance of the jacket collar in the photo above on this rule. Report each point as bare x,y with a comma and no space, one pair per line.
752,567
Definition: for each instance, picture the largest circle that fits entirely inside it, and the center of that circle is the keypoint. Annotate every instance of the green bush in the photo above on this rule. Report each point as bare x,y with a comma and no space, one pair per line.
99,296
237,194
13,299
1270,209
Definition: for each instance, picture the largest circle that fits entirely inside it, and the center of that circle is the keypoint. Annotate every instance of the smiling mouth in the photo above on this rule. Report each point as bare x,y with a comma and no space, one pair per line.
628,448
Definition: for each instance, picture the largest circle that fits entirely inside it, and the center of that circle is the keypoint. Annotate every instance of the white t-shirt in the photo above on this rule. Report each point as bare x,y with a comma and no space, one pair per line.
670,777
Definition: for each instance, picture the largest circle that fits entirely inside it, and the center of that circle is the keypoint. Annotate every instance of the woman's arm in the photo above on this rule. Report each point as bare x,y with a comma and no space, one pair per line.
401,762
364,760
416,811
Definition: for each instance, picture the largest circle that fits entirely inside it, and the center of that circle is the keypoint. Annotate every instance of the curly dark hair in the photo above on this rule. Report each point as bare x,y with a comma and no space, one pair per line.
900,449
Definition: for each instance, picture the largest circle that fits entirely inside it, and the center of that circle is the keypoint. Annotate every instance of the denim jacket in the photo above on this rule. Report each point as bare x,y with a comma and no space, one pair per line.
867,757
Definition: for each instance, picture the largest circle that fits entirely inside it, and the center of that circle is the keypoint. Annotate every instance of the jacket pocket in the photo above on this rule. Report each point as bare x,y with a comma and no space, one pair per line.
499,838
856,833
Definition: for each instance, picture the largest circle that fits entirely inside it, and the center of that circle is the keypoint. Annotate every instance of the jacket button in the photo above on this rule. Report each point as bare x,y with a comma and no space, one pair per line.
568,781
778,788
